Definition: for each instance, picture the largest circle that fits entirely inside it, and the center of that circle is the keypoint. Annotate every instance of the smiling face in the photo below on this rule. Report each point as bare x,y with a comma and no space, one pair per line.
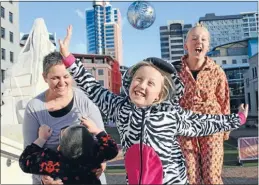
146,86
197,43
59,80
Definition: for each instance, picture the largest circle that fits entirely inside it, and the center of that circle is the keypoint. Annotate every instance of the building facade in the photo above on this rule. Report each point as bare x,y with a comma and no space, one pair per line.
172,38
230,28
10,36
250,24
233,58
251,89
103,30
223,29
104,68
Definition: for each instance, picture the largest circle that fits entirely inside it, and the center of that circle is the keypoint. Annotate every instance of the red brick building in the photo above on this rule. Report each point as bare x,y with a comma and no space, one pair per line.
104,68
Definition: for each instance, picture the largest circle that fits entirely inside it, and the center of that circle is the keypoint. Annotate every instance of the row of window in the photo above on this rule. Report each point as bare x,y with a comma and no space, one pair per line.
100,71
3,55
177,52
3,34
251,24
109,34
3,14
250,20
234,61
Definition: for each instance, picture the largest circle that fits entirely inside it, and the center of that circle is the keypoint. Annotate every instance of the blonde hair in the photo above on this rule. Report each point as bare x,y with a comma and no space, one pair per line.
168,88
197,25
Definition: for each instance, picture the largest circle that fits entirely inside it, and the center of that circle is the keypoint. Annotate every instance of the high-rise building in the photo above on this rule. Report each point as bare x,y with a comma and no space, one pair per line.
10,36
103,30
172,37
230,28
250,24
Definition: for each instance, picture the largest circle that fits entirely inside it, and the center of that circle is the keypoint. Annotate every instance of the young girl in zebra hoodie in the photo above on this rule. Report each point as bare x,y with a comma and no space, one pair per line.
149,117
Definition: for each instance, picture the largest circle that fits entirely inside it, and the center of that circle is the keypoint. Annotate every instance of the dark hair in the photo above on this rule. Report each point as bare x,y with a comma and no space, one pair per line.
77,143
52,59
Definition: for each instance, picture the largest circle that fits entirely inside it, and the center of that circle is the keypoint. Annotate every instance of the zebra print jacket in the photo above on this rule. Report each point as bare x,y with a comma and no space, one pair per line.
149,135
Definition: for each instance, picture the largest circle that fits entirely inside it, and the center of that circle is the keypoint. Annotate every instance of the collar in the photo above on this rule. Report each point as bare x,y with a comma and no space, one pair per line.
208,63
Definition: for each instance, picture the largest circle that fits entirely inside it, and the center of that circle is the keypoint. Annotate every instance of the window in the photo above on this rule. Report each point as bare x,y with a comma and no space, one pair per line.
2,32
3,53
11,56
249,101
101,82
224,62
11,36
2,12
100,71
234,61
244,60
11,17
254,72
247,82
256,98
2,75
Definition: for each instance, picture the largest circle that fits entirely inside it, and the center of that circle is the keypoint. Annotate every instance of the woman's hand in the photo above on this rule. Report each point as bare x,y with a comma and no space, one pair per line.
64,45
48,180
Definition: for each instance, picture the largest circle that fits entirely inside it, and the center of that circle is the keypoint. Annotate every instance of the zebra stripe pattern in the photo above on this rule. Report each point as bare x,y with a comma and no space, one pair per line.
162,123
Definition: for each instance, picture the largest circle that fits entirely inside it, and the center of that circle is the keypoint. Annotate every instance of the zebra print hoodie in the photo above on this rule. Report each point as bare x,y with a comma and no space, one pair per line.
149,135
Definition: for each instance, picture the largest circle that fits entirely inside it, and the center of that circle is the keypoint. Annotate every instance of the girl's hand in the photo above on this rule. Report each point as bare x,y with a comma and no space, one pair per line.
45,132
90,125
243,109
64,45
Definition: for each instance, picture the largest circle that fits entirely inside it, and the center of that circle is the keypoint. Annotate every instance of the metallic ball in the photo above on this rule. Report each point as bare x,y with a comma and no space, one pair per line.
141,15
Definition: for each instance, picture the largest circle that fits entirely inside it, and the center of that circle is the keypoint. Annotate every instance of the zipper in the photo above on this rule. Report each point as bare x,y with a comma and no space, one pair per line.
141,145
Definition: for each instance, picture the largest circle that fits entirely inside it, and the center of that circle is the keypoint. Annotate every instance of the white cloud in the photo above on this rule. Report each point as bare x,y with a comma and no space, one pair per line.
80,13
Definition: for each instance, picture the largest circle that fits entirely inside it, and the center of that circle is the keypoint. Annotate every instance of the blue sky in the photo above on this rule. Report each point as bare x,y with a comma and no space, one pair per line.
137,44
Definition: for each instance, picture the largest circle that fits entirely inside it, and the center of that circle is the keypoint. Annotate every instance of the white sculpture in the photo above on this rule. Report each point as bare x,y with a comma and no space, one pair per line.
24,80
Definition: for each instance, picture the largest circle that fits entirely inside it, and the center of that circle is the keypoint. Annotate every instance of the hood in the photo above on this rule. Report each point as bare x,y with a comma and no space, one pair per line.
165,66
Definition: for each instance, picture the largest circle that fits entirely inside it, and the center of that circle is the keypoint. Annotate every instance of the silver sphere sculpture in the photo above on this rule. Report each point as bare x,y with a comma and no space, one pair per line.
141,15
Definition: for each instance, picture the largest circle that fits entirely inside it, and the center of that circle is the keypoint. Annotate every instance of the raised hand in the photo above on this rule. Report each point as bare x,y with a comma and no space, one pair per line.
90,125
243,109
64,45
45,132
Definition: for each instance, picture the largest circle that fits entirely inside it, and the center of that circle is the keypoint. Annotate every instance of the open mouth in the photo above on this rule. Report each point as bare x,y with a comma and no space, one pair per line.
198,50
137,93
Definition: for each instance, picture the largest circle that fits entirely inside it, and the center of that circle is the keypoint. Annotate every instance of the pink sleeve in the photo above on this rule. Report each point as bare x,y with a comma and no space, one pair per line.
68,61
242,118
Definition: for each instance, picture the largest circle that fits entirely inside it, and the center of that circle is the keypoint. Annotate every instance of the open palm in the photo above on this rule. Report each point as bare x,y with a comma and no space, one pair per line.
64,44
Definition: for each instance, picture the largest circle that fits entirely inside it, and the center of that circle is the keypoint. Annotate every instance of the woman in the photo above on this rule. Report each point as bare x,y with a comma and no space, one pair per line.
59,106
206,92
